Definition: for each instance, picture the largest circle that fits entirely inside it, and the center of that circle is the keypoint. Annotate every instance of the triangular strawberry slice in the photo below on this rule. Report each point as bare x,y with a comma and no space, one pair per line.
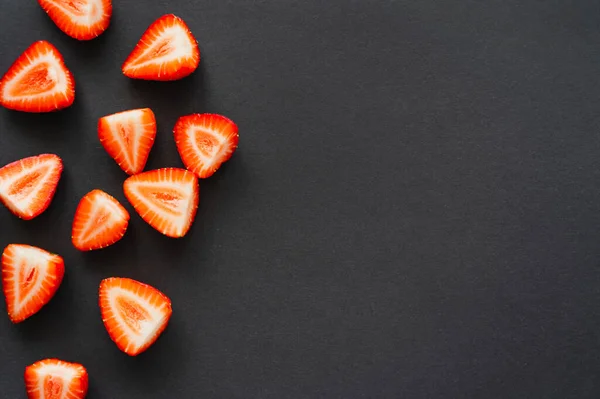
27,186
80,19
38,81
128,137
100,220
56,379
205,142
134,313
166,51
30,278
167,199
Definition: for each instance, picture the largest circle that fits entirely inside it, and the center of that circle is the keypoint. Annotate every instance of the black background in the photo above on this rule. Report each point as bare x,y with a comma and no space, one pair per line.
413,210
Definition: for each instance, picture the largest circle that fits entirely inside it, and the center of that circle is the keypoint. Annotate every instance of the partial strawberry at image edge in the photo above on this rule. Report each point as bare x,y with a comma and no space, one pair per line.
69,379
31,276
26,192
100,221
134,314
166,63
16,91
205,142
67,15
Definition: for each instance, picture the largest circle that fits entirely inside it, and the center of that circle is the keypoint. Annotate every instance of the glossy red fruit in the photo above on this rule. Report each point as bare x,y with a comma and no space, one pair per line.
205,142
38,81
30,278
56,379
134,314
27,186
100,220
166,51
167,199
80,19
128,137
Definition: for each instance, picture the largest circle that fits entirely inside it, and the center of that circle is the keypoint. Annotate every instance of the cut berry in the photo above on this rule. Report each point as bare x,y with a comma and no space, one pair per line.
30,278
56,379
80,19
38,81
166,51
134,313
167,199
100,220
128,137
27,186
205,142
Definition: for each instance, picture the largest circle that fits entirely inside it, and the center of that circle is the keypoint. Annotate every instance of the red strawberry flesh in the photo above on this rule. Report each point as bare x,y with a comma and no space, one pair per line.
128,137
205,142
80,19
134,314
38,81
166,51
30,278
27,186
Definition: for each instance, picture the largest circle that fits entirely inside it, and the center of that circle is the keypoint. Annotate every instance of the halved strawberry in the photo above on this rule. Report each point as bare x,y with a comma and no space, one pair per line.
205,142
30,278
27,186
56,379
38,81
100,220
134,313
166,51
128,137
80,19
167,199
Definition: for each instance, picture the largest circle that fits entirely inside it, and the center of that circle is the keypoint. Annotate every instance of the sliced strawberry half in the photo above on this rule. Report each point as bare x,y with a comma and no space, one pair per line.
167,199
80,19
27,186
128,137
205,142
166,51
38,81
56,379
134,313
100,220
30,278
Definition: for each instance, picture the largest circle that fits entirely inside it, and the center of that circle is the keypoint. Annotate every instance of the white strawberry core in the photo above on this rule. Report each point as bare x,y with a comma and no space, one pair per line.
208,154
61,374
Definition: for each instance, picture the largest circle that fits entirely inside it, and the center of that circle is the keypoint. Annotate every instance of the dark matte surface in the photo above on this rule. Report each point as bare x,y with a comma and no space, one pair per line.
413,212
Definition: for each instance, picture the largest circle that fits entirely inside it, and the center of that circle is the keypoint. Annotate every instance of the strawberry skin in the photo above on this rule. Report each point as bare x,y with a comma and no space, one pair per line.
38,81
100,220
80,19
205,142
56,379
30,278
166,51
27,186
128,137
167,199
134,314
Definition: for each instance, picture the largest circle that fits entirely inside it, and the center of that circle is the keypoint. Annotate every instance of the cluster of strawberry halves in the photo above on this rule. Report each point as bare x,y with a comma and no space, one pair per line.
134,313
